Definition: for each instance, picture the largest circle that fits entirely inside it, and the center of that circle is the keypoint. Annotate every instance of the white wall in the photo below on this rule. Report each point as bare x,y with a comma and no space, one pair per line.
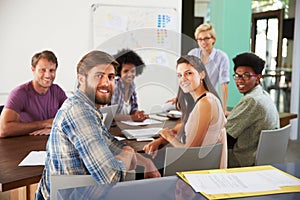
63,26
295,133
33,25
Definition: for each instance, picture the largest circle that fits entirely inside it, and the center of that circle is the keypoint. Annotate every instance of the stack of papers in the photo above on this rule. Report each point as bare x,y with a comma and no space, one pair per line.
172,114
145,122
160,118
141,133
241,182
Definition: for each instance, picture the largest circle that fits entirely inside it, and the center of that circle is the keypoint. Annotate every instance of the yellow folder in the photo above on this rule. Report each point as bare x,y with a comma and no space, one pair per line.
282,189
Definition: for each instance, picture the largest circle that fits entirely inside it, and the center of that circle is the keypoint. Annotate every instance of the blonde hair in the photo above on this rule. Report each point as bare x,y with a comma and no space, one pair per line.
206,27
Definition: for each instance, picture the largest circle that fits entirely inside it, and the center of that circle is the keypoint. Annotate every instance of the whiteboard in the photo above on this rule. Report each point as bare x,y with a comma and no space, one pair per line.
154,34
110,21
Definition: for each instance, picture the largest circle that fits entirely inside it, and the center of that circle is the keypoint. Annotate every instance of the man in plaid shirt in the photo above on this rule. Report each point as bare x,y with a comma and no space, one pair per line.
79,143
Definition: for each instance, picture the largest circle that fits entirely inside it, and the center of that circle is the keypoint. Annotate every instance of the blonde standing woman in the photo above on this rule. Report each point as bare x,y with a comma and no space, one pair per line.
215,61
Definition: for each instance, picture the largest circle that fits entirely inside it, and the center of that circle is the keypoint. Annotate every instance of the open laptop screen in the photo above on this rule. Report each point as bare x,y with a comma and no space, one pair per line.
108,114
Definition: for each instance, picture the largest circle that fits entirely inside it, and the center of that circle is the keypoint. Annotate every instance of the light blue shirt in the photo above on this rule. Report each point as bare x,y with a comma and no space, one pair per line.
217,67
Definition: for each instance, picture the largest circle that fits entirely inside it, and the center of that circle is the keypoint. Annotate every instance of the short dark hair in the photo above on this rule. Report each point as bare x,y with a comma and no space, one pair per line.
49,55
94,58
127,56
249,60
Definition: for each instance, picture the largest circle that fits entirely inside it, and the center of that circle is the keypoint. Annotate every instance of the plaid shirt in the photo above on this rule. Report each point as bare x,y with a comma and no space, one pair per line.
119,96
80,144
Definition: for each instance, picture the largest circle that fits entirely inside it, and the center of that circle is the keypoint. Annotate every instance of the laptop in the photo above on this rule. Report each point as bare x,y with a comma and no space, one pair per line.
109,113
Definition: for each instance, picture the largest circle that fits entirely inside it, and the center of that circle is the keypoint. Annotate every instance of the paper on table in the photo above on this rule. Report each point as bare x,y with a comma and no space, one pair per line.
119,138
145,122
175,112
34,158
144,139
160,118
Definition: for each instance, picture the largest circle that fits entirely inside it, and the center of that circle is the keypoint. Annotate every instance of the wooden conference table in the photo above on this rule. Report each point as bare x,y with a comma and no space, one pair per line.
14,150
285,118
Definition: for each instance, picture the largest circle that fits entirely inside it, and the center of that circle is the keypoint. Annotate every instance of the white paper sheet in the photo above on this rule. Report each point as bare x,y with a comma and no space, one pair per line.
160,118
145,122
34,158
144,139
119,138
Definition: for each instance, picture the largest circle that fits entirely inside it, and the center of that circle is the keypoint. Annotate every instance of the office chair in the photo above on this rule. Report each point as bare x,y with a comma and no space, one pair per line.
72,181
272,146
192,158
68,181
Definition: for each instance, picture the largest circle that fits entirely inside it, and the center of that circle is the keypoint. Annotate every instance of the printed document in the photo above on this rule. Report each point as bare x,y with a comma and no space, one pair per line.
239,182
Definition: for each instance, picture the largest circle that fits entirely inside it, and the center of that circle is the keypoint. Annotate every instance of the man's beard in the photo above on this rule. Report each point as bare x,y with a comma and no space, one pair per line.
92,95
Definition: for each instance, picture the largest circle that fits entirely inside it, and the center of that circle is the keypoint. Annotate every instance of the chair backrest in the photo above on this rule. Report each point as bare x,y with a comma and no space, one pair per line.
71,181
192,158
272,146
68,181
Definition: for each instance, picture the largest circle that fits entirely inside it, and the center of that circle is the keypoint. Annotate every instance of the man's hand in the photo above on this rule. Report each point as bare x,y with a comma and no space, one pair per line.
172,101
139,116
128,157
150,170
133,159
169,105
152,147
45,131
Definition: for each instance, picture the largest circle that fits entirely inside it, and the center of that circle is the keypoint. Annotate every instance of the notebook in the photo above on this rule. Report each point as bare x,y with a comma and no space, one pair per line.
108,114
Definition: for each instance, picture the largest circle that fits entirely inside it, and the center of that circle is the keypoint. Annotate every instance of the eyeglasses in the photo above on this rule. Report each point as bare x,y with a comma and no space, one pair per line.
203,39
246,76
